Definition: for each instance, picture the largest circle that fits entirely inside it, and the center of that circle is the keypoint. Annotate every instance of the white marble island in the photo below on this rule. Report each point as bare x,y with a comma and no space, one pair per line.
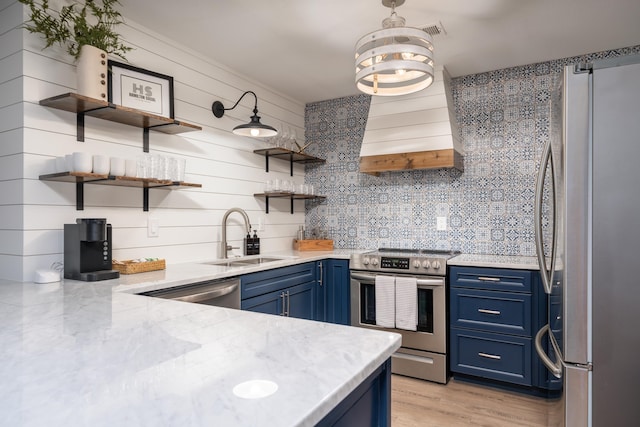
79,353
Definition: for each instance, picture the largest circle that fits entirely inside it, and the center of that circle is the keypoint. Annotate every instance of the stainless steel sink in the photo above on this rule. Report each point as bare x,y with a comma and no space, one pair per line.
245,262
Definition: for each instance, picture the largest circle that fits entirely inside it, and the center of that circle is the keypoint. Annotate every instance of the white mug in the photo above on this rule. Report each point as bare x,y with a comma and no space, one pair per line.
61,164
69,161
81,162
131,168
118,166
101,164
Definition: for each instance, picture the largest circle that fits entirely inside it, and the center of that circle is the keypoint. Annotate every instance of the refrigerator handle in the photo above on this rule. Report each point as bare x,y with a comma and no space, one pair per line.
554,368
546,272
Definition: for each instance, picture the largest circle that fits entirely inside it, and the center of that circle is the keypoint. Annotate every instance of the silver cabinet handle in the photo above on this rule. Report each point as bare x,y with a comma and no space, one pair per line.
288,304
489,279
490,356
485,311
554,367
321,273
200,292
283,304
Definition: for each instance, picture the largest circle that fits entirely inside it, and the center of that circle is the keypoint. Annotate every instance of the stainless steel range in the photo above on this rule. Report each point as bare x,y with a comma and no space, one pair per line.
403,290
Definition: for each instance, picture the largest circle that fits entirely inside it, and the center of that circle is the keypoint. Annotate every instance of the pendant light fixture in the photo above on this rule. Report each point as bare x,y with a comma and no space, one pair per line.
254,127
395,60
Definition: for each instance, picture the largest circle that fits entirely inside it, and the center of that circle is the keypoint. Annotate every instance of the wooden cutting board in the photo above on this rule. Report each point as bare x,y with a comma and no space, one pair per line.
312,245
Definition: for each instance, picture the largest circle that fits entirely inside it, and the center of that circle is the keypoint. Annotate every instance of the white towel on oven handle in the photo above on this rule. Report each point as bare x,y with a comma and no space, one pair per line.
385,301
406,303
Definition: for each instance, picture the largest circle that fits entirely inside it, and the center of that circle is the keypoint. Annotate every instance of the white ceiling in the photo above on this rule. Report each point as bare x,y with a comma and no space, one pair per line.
304,48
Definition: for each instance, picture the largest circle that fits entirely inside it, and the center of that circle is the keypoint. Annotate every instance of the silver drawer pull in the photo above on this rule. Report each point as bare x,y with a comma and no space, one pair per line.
489,279
489,356
484,311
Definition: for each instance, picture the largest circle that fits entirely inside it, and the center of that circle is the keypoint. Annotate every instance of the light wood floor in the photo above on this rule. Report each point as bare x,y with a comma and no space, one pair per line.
423,403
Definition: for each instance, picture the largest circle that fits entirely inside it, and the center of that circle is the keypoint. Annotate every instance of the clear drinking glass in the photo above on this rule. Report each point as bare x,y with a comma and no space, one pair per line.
143,163
181,167
283,142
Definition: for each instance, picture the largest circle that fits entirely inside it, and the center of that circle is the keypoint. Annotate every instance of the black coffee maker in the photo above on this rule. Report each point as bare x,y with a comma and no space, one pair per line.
87,250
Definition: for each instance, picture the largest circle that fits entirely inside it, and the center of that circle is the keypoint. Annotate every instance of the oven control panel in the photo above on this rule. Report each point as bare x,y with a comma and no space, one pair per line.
396,263
400,264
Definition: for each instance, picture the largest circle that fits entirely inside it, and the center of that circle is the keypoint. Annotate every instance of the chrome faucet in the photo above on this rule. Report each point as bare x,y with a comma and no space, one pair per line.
224,246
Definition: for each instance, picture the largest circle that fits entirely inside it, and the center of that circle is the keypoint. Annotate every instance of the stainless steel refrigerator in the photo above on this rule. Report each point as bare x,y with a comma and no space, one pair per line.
588,245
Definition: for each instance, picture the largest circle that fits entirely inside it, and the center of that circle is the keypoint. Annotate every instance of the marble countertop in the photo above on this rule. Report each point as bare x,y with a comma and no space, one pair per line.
495,261
77,353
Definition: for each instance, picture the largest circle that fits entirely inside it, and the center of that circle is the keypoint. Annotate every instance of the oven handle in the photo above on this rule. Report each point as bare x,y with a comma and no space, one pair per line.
372,277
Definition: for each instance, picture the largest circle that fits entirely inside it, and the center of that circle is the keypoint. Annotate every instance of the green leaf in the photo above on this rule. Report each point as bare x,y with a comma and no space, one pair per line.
71,27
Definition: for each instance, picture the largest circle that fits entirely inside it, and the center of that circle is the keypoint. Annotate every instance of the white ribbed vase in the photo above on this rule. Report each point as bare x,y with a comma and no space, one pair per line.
92,72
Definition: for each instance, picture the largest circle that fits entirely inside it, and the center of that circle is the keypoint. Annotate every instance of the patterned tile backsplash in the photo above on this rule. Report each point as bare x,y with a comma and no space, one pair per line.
504,122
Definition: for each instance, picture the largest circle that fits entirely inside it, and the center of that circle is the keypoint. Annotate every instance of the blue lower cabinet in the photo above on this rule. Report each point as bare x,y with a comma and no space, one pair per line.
287,291
494,316
297,301
316,290
335,293
368,405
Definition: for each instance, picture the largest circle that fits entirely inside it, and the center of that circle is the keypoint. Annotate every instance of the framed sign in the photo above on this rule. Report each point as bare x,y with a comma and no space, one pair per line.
144,90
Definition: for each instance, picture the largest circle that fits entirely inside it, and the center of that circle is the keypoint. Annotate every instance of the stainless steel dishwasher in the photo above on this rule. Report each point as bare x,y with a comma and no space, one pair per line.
221,292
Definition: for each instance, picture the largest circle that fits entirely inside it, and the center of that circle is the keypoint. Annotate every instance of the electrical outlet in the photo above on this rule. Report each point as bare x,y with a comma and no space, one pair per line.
260,226
153,227
441,223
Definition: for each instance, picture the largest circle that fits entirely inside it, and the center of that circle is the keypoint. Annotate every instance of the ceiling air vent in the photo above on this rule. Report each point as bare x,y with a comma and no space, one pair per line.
435,30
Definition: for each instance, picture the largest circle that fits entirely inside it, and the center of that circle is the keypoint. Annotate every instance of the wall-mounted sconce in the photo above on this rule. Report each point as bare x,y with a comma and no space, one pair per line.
254,127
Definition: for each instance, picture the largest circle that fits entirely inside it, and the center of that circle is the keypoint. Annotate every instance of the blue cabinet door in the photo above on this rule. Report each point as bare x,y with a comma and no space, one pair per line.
271,303
336,291
300,301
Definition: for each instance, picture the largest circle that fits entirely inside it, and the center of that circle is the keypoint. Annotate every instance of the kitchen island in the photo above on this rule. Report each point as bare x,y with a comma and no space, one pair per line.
77,353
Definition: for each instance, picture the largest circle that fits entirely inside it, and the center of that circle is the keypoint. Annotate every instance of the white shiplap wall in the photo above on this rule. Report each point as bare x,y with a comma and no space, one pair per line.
31,136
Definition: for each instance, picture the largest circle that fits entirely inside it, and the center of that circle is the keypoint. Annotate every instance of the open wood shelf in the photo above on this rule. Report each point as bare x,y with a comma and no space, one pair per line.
80,178
116,113
122,181
284,154
286,195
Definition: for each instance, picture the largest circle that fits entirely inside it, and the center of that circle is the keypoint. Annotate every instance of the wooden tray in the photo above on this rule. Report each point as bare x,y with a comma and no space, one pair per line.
130,267
313,245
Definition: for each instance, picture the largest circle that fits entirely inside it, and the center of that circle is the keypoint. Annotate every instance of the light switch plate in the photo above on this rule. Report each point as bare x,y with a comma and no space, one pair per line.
153,227
441,223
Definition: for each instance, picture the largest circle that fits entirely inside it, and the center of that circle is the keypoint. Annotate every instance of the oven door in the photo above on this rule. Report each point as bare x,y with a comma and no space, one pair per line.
431,328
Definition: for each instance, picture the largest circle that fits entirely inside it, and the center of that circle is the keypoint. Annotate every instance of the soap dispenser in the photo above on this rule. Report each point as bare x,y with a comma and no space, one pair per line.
256,243
248,245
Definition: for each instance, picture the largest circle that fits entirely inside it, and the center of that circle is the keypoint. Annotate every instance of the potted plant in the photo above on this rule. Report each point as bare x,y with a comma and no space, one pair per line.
87,31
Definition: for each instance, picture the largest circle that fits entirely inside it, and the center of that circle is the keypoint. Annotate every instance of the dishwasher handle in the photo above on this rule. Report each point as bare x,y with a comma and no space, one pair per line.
200,292
210,292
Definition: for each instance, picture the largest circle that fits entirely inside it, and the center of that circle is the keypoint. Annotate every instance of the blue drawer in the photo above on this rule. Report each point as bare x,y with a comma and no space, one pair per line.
491,279
504,312
498,357
263,282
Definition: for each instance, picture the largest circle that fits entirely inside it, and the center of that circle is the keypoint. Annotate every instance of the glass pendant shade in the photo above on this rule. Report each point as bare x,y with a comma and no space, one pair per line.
396,60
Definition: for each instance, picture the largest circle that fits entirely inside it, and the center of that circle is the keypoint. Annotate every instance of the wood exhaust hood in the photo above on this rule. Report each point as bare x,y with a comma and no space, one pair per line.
415,131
